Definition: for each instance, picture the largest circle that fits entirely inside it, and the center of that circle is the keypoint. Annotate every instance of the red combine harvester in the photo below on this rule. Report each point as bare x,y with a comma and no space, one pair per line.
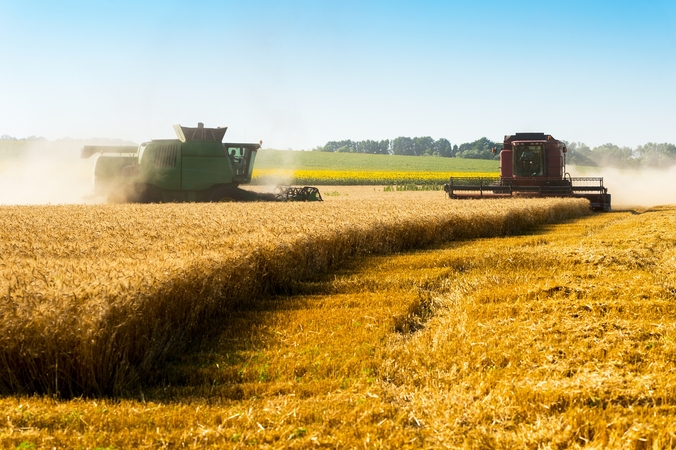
532,165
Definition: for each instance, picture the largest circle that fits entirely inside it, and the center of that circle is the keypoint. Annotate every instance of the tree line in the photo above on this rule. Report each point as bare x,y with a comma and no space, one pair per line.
417,146
652,155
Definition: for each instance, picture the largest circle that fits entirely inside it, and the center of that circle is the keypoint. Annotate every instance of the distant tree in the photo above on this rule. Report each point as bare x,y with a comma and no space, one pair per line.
656,155
364,146
423,146
345,146
6,137
479,149
610,155
373,147
403,146
443,148
417,146
384,147
348,146
328,147
345,149
578,154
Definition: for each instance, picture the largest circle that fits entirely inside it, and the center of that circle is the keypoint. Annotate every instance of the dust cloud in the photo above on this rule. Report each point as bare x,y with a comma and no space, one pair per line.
43,172
634,188
284,160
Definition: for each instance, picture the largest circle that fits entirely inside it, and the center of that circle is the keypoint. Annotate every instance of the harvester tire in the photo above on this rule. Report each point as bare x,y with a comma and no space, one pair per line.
226,194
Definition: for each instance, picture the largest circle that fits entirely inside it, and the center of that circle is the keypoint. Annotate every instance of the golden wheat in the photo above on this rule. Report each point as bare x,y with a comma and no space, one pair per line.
558,339
93,297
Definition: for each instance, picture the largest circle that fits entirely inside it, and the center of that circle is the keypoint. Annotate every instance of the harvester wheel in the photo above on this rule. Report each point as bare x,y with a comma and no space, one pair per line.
226,194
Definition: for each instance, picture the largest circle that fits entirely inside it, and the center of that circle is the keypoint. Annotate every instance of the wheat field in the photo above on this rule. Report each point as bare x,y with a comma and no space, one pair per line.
96,296
559,338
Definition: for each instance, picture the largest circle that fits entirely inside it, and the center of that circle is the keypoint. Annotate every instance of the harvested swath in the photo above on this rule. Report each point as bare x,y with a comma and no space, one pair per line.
94,297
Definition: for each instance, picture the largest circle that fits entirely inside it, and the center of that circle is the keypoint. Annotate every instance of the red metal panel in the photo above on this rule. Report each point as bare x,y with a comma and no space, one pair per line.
554,160
506,163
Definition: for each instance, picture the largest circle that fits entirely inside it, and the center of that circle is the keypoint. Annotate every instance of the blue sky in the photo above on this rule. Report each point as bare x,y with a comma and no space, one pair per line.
298,74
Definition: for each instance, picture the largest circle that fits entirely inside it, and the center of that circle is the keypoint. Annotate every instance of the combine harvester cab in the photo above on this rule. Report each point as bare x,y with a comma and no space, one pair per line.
196,167
532,165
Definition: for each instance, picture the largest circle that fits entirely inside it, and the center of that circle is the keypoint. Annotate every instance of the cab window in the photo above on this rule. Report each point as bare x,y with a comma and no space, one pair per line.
528,160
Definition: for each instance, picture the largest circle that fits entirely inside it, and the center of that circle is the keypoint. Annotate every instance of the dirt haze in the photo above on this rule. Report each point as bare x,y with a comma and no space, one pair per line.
644,187
43,172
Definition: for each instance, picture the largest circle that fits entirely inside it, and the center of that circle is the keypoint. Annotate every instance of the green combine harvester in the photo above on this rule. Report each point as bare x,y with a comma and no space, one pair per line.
196,167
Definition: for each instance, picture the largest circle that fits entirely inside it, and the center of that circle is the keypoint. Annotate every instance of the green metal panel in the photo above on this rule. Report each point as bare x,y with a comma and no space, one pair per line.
160,164
108,170
202,148
194,165
254,152
111,166
201,173
205,164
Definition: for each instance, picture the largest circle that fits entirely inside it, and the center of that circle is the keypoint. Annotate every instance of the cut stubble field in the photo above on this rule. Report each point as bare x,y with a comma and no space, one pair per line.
562,337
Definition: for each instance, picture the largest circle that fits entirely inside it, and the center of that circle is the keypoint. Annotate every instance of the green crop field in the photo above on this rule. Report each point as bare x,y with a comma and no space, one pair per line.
309,160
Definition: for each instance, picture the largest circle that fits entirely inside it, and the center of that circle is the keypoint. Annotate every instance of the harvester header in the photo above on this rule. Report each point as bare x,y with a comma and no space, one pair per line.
532,165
